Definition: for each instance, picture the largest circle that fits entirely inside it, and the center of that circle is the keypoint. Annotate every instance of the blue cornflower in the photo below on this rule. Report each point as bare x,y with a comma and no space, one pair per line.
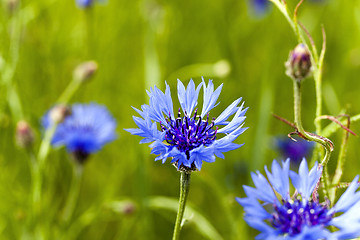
299,216
260,6
190,138
293,150
84,3
84,131
87,3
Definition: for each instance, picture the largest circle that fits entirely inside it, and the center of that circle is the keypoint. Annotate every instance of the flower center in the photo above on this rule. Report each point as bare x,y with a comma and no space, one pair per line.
292,216
187,133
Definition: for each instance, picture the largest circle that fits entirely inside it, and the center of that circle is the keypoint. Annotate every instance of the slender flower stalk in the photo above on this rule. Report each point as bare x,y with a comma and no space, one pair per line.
340,165
315,138
184,191
73,193
9,65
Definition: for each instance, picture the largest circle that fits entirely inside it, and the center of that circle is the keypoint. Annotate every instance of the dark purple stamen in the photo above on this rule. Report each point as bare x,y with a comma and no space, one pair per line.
187,133
293,215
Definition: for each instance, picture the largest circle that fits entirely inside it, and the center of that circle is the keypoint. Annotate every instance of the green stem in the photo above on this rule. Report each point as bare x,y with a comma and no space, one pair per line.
284,10
8,73
38,166
184,191
318,89
314,138
46,143
340,166
69,91
73,192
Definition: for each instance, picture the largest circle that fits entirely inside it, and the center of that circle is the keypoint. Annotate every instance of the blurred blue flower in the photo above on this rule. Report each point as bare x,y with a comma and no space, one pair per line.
87,3
299,217
188,139
293,150
84,131
84,3
260,6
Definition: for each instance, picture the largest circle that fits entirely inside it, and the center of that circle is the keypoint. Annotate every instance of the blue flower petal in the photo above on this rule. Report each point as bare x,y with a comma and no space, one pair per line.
349,197
279,178
305,182
312,233
267,231
200,154
263,186
253,208
210,97
230,110
237,120
180,157
188,98
348,223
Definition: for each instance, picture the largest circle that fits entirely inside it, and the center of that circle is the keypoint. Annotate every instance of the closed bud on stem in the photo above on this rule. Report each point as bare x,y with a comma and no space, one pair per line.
129,208
24,134
298,66
85,71
11,5
59,113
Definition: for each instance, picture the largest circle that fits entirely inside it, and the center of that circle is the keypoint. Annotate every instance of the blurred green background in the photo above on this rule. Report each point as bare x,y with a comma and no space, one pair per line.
138,44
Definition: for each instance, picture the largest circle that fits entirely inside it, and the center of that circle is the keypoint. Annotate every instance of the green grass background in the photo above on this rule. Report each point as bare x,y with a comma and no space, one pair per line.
138,44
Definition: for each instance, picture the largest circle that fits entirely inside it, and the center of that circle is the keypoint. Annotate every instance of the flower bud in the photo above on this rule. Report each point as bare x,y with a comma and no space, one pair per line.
11,5
24,134
85,71
298,65
59,113
129,208
126,207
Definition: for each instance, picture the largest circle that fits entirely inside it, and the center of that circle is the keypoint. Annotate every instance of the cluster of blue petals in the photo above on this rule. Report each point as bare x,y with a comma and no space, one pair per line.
189,139
85,131
299,217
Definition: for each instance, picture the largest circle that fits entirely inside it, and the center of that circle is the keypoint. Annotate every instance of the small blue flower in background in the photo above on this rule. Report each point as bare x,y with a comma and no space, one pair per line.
84,3
299,217
293,150
87,3
261,7
189,139
84,131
